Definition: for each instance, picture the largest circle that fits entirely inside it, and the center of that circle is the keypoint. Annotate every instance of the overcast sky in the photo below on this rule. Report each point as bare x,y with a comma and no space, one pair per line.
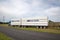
29,8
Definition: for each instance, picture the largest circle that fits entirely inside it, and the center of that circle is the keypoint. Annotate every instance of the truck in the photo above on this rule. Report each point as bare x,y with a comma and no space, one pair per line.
39,22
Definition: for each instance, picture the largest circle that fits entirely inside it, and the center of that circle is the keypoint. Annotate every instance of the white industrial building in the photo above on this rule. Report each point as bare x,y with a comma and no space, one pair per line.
39,22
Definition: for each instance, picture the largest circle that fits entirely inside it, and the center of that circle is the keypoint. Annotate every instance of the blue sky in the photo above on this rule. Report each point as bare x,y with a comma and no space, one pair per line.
11,9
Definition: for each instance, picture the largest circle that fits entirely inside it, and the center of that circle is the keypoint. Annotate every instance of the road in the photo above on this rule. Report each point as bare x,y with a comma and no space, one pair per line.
28,35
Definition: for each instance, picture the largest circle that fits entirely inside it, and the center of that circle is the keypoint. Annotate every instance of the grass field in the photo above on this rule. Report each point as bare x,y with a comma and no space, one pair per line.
48,30
4,37
55,31
6,25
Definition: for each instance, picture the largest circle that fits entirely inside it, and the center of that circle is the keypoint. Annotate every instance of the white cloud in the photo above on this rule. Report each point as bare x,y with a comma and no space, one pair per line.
29,8
54,11
15,7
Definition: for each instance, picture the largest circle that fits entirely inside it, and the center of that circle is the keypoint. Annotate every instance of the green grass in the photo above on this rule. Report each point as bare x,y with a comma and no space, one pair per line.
6,25
55,31
49,30
4,37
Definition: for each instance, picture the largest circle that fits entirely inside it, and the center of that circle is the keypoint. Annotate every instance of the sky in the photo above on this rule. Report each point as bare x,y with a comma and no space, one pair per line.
15,9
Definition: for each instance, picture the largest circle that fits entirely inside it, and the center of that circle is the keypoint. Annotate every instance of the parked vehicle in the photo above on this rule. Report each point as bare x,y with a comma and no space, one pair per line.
39,22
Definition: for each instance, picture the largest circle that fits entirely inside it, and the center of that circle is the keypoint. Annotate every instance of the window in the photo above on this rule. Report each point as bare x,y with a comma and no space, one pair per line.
35,20
15,20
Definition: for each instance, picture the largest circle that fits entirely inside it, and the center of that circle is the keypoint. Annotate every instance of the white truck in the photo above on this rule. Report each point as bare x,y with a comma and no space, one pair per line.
39,22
